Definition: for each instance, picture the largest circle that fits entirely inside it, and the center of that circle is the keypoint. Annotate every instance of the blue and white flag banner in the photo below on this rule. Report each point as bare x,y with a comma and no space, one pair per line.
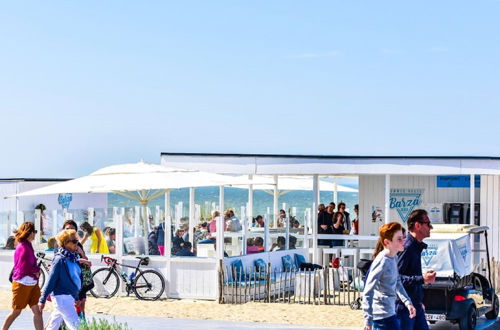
447,254
405,200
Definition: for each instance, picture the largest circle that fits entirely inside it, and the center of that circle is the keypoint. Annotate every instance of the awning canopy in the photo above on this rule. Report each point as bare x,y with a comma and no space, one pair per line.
332,165
291,183
127,178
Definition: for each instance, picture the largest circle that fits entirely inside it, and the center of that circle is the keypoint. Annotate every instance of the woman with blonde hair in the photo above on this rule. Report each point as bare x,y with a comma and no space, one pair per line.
64,283
25,289
383,282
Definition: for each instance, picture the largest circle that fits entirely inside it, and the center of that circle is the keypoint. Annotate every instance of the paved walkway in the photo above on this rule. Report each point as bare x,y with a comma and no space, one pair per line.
25,322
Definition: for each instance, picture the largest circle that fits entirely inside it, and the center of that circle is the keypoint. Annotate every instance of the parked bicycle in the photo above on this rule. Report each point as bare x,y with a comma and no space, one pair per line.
44,264
146,284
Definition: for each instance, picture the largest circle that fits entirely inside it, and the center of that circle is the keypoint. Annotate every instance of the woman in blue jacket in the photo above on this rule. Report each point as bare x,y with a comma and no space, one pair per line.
64,283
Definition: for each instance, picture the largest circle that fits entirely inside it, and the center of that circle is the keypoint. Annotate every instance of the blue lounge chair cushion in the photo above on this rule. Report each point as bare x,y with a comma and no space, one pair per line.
237,270
260,265
287,263
299,260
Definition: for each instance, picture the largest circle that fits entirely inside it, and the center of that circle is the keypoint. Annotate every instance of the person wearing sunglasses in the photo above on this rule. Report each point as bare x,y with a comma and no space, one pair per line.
410,270
24,277
64,283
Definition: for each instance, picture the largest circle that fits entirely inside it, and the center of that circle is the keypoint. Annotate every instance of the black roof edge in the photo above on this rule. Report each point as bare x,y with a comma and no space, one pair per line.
323,156
35,179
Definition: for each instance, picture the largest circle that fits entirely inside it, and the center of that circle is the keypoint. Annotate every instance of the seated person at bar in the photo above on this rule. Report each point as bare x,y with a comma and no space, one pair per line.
51,244
201,232
153,242
110,239
232,222
212,228
10,244
251,248
258,221
185,250
279,245
282,218
177,241
338,228
292,242
255,245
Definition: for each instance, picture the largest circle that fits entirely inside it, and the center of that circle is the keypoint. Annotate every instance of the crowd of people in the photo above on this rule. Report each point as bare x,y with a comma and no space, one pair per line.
393,293
336,222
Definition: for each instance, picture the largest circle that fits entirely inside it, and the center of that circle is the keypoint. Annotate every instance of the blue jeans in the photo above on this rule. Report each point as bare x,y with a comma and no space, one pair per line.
417,323
389,323
207,241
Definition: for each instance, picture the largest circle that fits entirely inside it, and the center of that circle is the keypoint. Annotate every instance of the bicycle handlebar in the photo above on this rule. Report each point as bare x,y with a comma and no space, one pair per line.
108,260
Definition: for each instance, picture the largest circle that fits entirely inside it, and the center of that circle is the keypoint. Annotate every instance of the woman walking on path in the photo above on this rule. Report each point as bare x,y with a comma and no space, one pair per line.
383,282
25,289
99,244
85,265
64,283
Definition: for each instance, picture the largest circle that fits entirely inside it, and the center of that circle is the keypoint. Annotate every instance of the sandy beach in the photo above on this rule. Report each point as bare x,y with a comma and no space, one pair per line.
308,315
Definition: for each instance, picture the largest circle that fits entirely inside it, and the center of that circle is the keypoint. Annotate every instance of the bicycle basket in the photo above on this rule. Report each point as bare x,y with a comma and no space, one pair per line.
145,261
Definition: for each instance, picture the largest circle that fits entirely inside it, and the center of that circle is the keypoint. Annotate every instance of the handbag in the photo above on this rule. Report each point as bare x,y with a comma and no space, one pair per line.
87,281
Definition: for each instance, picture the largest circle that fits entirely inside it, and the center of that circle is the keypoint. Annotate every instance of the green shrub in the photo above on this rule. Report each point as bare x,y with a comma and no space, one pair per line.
101,324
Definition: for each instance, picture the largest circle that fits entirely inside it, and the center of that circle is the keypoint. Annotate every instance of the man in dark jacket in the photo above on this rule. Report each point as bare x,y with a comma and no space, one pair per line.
410,270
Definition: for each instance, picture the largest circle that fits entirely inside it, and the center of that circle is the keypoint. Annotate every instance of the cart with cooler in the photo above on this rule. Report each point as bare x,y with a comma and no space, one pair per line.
459,295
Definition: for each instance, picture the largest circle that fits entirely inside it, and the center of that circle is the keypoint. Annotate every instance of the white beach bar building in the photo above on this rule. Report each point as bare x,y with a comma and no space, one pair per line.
452,189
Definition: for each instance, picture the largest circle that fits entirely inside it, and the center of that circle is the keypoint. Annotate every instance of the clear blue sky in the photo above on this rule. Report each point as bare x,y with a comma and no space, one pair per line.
85,84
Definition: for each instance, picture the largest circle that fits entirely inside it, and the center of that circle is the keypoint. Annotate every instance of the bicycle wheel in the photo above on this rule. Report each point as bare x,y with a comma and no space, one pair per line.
41,279
106,283
149,285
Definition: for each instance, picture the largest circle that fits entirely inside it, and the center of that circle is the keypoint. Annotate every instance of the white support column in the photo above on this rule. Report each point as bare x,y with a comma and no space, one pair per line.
118,223
287,232
55,225
472,207
250,200
267,238
335,191
307,222
192,220
168,234
137,220
90,215
220,226
244,225
276,195
314,224
472,198
157,215
38,221
167,204
387,193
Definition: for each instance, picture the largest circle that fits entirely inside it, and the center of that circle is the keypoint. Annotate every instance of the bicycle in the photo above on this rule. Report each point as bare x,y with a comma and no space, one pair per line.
44,268
146,284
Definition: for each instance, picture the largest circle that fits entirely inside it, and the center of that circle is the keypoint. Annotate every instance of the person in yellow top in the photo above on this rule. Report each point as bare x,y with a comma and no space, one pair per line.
98,242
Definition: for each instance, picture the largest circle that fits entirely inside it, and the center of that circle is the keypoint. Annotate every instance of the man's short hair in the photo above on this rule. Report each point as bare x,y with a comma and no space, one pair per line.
111,231
415,216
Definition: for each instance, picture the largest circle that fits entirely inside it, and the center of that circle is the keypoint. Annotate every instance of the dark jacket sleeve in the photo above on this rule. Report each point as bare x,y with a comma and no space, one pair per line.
55,271
405,261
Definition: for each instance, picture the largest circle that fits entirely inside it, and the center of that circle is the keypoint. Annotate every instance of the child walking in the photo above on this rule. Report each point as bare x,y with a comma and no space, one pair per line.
383,282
